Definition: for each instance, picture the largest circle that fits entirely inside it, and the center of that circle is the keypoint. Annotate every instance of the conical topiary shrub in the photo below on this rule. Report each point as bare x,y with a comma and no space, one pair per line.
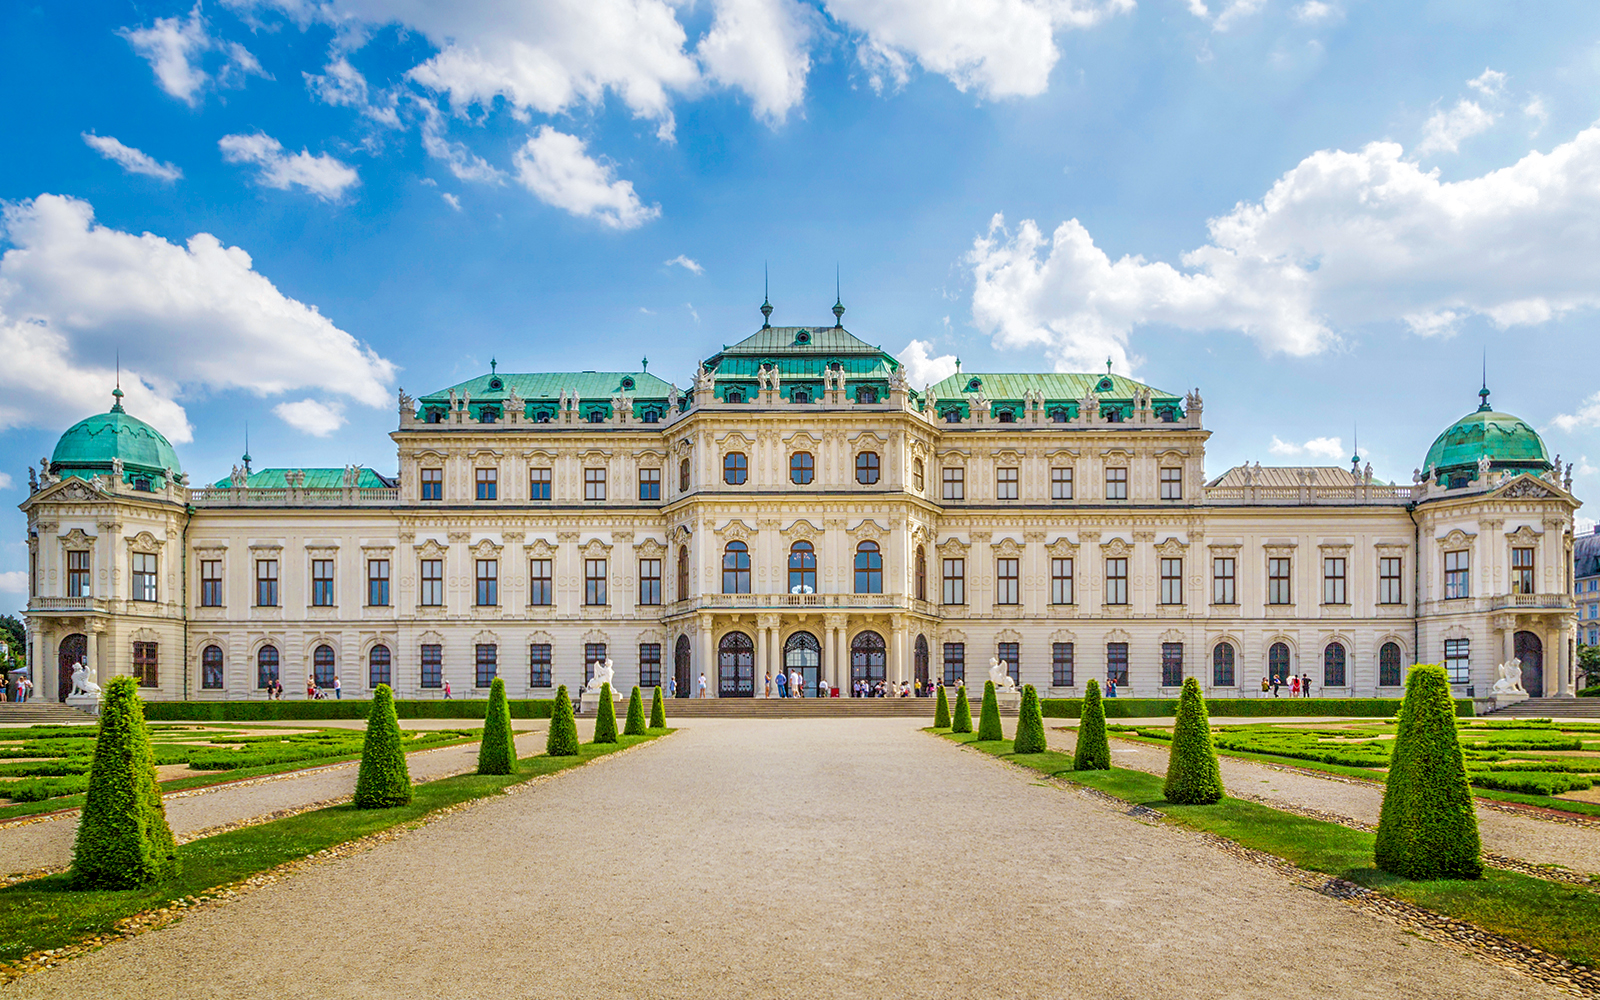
941,711
635,726
563,738
605,721
989,715
1030,724
1427,828
383,780
123,837
658,711
1193,777
1093,752
962,723
497,754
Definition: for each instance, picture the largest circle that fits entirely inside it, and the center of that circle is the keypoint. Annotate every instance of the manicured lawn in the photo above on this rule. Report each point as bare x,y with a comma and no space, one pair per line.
47,913
1561,919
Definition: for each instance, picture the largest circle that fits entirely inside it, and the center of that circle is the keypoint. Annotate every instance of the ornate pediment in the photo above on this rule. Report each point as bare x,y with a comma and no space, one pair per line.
1457,538
953,459
1116,548
77,539
597,636
538,549
1523,536
540,454
1007,458
1172,547
868,439
735,441
736,530
594,548
921,534
541,638
144,542
801,530
952,548
1527,487
431,549
1063,548
952,635
1007,548
1118,635
1008,635
650,548
802,441
486,549
1172,635
70,489
682,447
210,549
868,530
679,535
1063,635
486,638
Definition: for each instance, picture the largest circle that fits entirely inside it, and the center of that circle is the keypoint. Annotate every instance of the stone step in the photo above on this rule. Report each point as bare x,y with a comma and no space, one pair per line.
1555,708
40,713
805,708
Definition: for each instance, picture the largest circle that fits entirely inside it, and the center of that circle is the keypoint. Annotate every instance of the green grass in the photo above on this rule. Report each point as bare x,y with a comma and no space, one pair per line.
45,913
1561,919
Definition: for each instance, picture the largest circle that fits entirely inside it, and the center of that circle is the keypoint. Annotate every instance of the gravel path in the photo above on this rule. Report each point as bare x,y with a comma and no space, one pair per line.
806,859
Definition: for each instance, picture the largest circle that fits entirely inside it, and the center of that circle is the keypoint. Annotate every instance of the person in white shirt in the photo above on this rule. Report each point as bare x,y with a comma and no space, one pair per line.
702,685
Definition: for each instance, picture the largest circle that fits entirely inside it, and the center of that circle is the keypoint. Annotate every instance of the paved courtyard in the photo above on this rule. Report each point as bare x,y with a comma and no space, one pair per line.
825,858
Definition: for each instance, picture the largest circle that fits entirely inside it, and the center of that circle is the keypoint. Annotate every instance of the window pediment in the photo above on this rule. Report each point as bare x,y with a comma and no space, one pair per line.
1523,536
868,530
650,548
953,548
1007,548
1118,635
538,549
801,530
1172,635
431,549
1116,548
802,441
486,549
594,548
1456,538
680,535
1063,635
1063,548
736,530
77,538
1172,547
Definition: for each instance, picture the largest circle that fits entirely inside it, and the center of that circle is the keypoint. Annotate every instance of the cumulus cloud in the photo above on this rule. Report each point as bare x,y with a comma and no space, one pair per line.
311,417
761,48
342,85
14,582
72,293
1322,447
1584,415
554,166
1315,12
1235,11
687,264
922,369
1489,83
1535,109
5,480
462,162
132,160
1445,131
322,175
174,48
1343,238
451,200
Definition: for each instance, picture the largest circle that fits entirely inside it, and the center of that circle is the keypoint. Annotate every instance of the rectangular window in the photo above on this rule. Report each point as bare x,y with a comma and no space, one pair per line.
594,484
1116,484
146,664
1223,573
488,481
488,577
1278,591
1005,483
1061,484
211,583
541,586
1116,581
1172,484
77,574
1061,664
649,484
1522,571
432,665
433,484
539,484
1333,581
266,583
485,661
649,581
144,576
955,581
1457,568
1117,662
1172,664
1172,581
378,583
1061,581
955,484
539,665
322,583
432,593
955,663
594,654
649,664
1389,591
1458,660
1007,574
1010,653
594,582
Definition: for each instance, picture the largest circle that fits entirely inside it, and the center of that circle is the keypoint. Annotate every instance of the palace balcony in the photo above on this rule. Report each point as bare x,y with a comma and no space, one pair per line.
1557,602
1311,493
66,604
345,496
799,602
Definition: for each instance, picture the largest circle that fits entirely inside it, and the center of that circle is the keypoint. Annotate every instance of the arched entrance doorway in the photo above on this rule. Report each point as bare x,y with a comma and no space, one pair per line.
736,666
74,650
803,652
681,672
919,662
866,659
1531,652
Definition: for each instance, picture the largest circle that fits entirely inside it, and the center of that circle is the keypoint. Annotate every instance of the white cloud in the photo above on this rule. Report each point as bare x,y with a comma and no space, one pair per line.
1323,447
554,166
1342,239
130,159
1445,131
342,85
1535,109
1235,11
1489,83
322,175
760,47
451,200
921,368
311,417
1315,12
5,480
14,582
174,47
463,163
686,263
73,293
1585,415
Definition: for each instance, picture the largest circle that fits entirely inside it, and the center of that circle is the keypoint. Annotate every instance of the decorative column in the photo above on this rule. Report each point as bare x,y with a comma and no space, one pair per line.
44,681
762,666
1559,636
703,657
898,651
838,674
91,658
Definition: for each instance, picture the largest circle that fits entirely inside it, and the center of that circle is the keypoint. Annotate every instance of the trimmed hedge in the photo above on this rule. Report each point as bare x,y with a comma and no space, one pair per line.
1530,782
1030,724
384,780
605,721
658,711
123,838
1427,828
941,711
562,740
497,752
1193,776
635,726
347,708
962,723
989,715
1093,752
1233,708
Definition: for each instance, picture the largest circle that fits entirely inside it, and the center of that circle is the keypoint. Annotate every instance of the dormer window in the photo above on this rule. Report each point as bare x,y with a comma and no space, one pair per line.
627,381
1113,416
433,415
1105,385
652,416
803,337
974,384
952,416
542,417
1168,414
496,385
1059,415
142,484
597,416
488,415
734,396
800,396
866,394
1006,417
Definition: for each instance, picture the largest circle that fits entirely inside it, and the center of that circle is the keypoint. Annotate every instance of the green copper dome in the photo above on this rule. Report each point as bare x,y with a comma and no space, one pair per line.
89,446
1508,442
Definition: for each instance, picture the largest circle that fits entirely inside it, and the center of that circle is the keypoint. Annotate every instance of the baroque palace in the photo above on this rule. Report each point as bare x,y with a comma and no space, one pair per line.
800,507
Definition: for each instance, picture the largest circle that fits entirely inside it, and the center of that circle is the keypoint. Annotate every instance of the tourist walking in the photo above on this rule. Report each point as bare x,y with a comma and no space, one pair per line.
311,687
672,687
1294,687
702,685
1111,687
1277,682
768,689
337,690
796,685
1266,685
447,689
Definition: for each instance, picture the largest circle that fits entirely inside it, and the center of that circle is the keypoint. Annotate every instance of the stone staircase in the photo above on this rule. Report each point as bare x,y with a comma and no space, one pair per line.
40,713
1552,708
801,708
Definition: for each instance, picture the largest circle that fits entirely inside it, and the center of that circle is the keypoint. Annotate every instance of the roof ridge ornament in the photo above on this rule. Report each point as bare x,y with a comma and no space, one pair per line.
838,301
1483,394
766,299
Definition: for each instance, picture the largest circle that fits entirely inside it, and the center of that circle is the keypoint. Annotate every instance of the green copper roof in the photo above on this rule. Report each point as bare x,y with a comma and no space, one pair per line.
316,479
89,446
1056,386
1508,441
550,385
801,340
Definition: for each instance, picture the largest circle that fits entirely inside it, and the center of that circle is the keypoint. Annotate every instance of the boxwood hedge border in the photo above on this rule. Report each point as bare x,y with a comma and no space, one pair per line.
346,708
1138,708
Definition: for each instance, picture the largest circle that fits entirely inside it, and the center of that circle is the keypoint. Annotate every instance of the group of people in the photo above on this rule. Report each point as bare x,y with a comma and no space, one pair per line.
316,693
1299,687
18,690
790,685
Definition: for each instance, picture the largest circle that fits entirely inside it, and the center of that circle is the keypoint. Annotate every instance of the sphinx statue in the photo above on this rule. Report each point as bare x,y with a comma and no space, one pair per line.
1510,681
603,674
1003,684
81,684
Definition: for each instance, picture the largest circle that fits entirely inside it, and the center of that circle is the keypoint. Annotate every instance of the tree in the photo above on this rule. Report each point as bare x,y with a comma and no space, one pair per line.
989,716
1427,828
941,711
1193,776
635,726
1093,752
15,636
383,780
1030,724
658,711
1589,665
123,838
497,754
605,721
563,738
963,720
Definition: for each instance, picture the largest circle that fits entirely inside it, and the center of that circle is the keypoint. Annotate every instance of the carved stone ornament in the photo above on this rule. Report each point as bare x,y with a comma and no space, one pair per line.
1172,635
680,535
1457,538
1172,547
538,549
736,530
952,548
1527,488
485,549
868,530
1063,548
431,549
1063,635
77,539
144,542
801,531
1523,536
594,548
1007,548
1118,635
650,548
1116,548
76,489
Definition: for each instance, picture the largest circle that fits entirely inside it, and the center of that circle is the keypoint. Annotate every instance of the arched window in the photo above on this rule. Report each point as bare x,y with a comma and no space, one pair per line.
211,668
869,569
1059,415
322,666
1389,665
735,468
952,416
266,665
1222,674
1333,665
917,480
734,396
867,468
920,569
1278,662
866,659
866,394
683,572
802,568
919,661
736,569
802,468
379,663
802,653
800,396
683,476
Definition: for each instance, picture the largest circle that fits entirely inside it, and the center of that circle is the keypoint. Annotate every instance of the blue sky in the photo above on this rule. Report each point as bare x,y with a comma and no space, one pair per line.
1319,212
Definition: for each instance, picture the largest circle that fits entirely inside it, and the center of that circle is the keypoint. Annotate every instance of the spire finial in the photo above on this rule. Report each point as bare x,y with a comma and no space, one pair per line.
1483,394
493,364
838,301
1355,452
247,447
1108,365
644,365
766,298
116,394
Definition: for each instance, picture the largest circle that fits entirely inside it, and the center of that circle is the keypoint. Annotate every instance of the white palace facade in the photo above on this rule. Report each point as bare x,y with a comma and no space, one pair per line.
798,506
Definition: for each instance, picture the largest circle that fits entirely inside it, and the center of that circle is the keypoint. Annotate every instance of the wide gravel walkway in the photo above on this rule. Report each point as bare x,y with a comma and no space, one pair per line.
807,859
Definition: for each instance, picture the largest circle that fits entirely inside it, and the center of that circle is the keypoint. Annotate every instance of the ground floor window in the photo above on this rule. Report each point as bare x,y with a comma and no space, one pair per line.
486,663
1009,653
1278,663
539,665
1222,672
1061,664
1117,662
1458,660
1172,664
432,665
322,665
266,665
649,664
594,654
379,666
1389,665
147,663
211,668
955,663
1333,665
